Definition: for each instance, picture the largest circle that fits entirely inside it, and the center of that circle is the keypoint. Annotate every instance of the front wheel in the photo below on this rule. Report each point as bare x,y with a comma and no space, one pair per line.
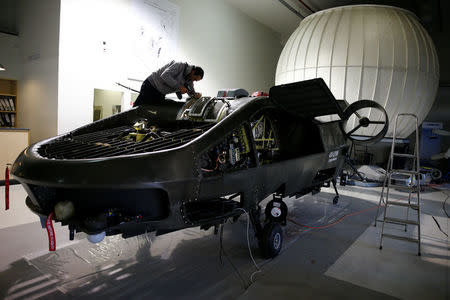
271,240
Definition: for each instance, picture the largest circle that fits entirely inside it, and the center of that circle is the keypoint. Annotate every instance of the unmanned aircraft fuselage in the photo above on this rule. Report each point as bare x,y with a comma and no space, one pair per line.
187,164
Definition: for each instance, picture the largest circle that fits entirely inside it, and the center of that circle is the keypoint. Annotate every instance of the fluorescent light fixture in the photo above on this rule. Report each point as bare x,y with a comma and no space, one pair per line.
2,68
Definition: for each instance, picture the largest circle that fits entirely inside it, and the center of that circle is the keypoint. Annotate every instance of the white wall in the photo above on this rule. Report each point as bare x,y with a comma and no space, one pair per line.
10,57
83,65
234,50
107,99
38,90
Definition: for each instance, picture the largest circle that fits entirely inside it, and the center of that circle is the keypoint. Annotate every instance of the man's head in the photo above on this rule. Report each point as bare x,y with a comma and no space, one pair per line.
196,74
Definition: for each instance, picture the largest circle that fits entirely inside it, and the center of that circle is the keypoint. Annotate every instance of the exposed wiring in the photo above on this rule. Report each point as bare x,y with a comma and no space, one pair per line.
221,158
304,4
258,270
218,160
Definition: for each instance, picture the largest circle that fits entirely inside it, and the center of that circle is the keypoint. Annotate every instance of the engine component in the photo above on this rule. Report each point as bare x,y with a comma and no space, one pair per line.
232,153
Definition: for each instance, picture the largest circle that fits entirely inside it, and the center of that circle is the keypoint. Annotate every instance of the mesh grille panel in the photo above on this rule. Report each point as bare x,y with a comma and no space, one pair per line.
117,141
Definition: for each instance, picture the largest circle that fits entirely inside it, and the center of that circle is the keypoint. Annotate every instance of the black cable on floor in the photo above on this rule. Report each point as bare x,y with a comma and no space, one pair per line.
445,201
439,226
443,205
222,250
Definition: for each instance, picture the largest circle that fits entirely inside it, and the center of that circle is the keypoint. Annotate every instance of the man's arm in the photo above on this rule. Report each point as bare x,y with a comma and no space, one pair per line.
169,75
191,91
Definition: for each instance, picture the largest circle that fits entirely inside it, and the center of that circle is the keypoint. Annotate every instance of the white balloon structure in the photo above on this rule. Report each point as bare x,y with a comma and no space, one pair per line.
373,52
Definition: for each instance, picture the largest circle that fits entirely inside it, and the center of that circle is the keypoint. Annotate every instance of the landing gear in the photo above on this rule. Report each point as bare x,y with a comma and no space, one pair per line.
276,210
270,235
336,198
271,240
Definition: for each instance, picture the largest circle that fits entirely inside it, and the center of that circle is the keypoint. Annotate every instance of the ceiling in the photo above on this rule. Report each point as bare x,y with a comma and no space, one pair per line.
283,16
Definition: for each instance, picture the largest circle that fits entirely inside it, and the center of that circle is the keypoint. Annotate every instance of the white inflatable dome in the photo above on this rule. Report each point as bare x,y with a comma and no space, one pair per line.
372,52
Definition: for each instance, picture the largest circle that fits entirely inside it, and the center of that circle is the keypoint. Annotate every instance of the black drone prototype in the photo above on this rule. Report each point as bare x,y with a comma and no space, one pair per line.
194,163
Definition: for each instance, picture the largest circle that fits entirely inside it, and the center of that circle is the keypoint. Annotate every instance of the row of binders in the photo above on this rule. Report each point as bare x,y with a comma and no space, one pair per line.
7,103
7,120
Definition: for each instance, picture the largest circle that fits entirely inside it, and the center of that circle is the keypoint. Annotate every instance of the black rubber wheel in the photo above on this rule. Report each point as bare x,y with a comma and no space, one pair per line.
271,240
336,199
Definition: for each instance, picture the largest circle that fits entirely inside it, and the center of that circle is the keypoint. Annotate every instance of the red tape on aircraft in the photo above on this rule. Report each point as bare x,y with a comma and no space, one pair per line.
50,232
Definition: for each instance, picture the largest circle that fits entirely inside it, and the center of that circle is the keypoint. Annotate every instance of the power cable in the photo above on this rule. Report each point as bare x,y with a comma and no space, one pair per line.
362,211
439,226
433,186
248,244
336,222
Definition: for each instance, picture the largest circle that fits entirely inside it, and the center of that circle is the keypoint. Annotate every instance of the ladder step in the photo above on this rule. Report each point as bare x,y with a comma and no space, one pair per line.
405,187
403,238
414,172
401,221
416,206
404,155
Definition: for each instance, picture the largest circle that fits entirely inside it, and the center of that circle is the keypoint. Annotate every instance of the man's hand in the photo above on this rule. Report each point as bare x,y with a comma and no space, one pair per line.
197,95
183,89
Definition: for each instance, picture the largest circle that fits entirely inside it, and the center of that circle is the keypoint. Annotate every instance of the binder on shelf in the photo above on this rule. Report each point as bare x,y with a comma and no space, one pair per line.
13,120
2,107
1,122
4,121
6,104
11,103
8,120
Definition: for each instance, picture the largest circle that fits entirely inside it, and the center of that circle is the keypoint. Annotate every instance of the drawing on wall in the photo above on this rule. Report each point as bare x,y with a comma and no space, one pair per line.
155,35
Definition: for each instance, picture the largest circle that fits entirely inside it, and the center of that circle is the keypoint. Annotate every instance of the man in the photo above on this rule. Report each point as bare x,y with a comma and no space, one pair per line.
174,77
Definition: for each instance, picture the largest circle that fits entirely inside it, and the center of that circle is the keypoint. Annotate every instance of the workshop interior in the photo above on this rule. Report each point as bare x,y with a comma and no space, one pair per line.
311,160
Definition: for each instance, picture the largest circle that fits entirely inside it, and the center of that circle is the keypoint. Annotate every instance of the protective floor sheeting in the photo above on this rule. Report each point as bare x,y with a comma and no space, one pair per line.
185,263
341,261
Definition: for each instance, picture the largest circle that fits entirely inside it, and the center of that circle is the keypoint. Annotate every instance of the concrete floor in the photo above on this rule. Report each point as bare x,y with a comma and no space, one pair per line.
342,261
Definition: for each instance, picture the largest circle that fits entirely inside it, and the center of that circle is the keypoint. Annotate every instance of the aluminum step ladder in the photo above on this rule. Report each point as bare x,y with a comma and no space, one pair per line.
412,187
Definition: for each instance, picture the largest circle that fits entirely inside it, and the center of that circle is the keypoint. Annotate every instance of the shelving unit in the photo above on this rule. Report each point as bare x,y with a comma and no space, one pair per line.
8,103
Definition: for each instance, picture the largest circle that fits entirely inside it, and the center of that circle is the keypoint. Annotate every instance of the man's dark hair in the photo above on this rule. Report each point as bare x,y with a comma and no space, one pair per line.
198,71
